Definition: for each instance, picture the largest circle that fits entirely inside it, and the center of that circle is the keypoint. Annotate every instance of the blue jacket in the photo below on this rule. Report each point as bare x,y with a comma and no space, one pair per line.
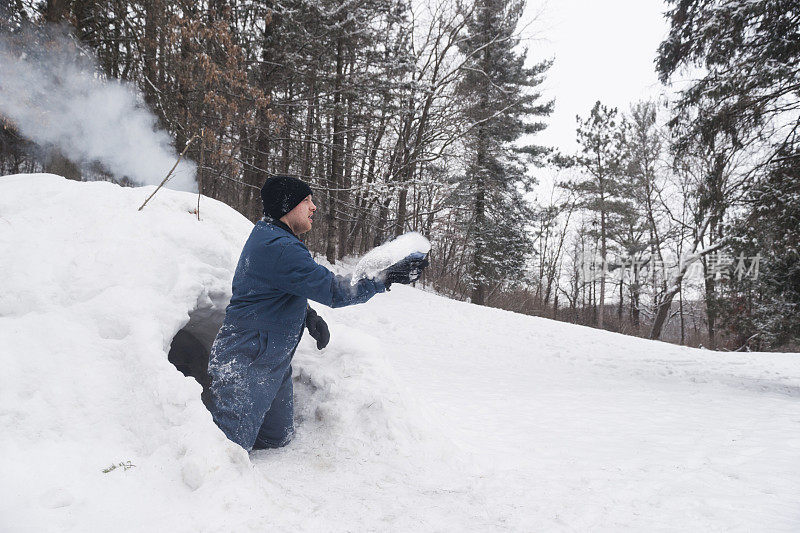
275,277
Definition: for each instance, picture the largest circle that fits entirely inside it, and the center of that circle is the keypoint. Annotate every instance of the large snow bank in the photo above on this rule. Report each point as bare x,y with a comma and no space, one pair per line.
422,413
91,295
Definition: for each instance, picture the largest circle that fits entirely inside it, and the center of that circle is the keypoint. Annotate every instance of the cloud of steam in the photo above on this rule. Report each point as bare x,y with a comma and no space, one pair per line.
55,96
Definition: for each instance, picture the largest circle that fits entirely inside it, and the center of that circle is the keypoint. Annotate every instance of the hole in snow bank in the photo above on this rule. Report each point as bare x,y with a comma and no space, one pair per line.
191,346
189,356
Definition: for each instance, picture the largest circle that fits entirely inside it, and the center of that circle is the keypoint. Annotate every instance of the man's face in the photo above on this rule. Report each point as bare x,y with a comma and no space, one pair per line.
299,218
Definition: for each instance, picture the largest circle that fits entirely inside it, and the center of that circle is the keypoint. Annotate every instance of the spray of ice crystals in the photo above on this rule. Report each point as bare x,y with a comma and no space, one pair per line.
55,95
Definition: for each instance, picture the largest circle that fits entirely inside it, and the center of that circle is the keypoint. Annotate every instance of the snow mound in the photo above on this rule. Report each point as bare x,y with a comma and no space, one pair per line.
349,395
94,418
388,254
91,296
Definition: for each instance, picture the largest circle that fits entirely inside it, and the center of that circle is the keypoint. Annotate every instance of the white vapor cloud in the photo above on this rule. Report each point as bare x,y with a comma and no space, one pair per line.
55,96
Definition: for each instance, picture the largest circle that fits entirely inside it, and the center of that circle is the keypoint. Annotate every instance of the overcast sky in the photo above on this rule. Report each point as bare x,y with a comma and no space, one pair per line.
603,50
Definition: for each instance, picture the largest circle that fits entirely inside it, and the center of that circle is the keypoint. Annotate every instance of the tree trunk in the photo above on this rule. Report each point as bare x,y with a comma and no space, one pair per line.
383,218
603,257
635,295
305,168
56,10
344,196
402,210
337,154
478,267
153,13
675,286
286,154
711,309
479,264
680,310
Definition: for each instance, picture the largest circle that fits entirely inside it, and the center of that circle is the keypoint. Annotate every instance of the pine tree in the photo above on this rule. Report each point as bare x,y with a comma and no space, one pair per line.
749,51
601,159
748,93
498,94
762,308
641,188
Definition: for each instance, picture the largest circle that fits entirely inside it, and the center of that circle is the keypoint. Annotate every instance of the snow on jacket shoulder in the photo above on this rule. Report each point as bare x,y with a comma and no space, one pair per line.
275,277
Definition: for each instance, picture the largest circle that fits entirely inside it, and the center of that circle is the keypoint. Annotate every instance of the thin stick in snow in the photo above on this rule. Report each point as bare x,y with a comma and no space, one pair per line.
170,172
200,171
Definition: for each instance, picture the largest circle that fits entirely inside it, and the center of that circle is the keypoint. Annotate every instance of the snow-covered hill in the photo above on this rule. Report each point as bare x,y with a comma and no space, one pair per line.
422,414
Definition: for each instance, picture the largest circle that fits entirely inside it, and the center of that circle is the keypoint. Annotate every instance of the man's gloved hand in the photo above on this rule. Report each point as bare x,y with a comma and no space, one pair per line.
405,271
317,328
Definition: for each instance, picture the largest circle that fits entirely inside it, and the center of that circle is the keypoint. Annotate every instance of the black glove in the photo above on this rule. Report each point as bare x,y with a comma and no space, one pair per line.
317,328
405,271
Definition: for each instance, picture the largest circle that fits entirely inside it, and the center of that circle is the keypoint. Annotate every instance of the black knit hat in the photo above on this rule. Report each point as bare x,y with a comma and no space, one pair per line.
281,194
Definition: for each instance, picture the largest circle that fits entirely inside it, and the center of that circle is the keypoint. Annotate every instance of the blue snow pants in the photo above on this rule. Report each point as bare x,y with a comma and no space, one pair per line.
251,392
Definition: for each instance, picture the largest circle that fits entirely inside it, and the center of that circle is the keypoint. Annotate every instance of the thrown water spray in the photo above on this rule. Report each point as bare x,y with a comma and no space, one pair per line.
55,96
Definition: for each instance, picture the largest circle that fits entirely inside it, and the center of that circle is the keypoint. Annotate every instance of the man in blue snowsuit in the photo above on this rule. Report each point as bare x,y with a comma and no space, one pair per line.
250,363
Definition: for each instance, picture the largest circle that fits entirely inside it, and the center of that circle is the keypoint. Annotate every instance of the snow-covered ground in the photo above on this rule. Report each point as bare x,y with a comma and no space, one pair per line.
422,414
